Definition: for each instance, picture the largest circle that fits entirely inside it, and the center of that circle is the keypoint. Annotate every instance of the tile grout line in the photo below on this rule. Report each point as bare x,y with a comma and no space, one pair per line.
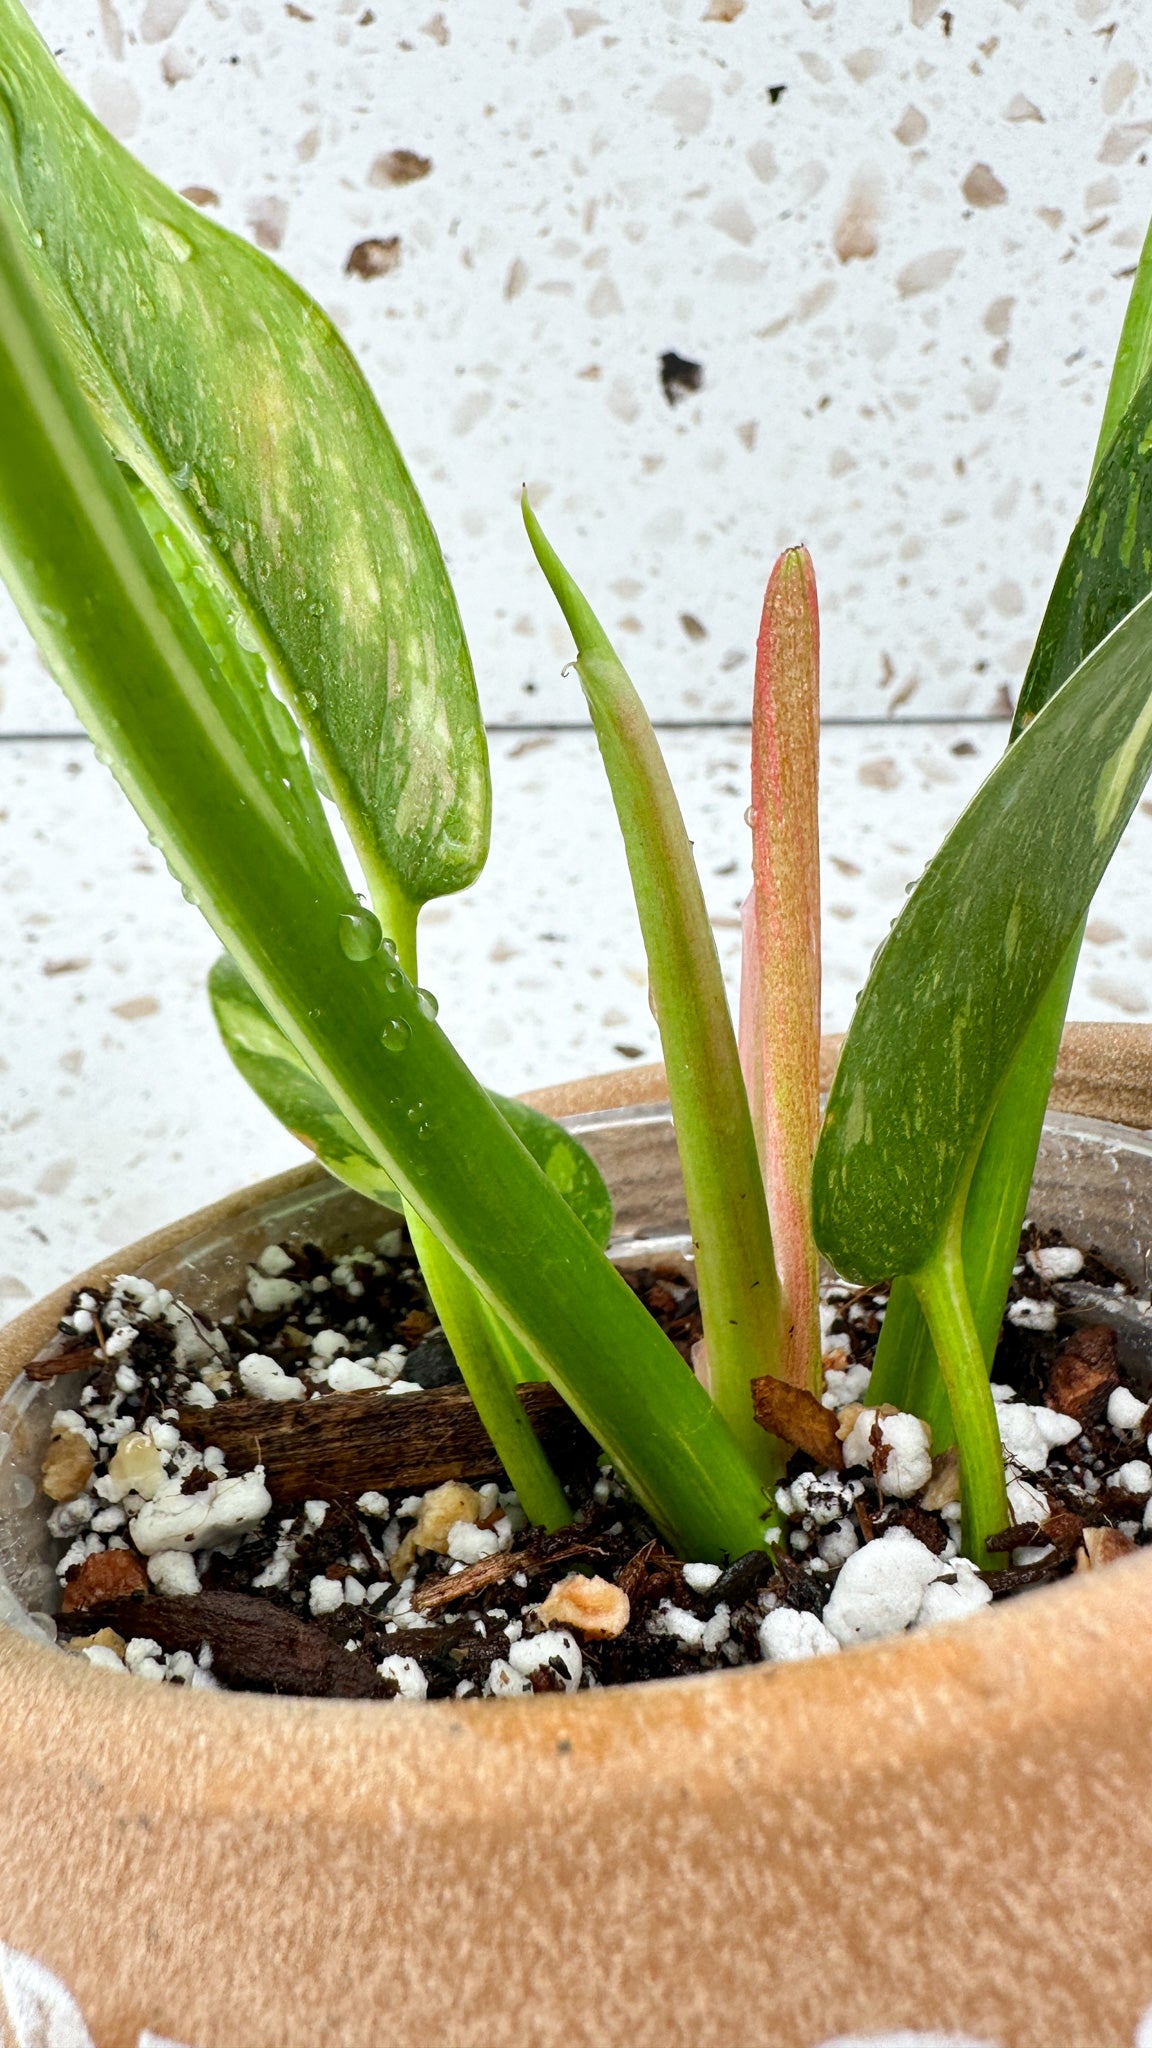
500,729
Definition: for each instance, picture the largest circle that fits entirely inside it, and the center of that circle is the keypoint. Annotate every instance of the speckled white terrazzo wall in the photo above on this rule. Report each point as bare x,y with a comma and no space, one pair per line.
894,236
902,276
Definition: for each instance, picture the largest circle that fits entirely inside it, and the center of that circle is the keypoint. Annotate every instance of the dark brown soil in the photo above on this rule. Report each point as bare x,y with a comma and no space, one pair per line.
458,1618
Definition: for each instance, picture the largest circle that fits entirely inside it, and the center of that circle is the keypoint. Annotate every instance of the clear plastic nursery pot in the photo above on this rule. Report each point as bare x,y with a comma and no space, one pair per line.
948,1831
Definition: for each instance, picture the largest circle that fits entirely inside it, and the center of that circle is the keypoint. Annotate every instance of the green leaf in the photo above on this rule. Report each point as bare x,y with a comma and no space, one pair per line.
1107,565
283,1080
1105,572
285,1084
562,1159
1134,354
727,1209
235,401
91,586
955,986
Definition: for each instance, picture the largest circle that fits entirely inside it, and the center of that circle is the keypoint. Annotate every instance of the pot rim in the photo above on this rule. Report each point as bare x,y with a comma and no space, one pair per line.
992,1661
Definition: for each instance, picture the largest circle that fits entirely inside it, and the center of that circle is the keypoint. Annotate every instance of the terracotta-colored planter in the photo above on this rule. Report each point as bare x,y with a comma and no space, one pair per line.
950,1831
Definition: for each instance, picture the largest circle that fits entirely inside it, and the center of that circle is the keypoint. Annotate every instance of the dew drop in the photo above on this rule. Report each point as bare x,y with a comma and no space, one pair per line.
360,934
391,948
750,815
245,631
37,239
426,1003
393,980
395,1034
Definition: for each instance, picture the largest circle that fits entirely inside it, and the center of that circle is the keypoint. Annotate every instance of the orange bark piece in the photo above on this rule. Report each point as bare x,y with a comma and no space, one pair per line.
109,1575
797,1416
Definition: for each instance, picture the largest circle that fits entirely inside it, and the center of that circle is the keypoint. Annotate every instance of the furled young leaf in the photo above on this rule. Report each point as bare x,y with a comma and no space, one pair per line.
956,984
282,1079
727,1210
237,403
91,586
780,973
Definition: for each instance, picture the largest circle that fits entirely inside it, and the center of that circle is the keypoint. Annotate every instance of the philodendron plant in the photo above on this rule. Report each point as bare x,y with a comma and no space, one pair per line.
209,530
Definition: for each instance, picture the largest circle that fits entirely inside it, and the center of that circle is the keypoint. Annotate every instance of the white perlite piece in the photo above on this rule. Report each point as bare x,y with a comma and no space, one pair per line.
958,1589
689,1630
786,1636
880,1588
908,1444
408,1677
1032,1315
348,1376
467,1544
103,1658
174,1574
274,1261
267,1295
1125,1412
325,1595
268,1381
1027,1502
555,1650
837,1545
1056,1262
1135,1477
1028,1434
225,1511
326,1343
701,1577
503,1683
823,1497
841,1386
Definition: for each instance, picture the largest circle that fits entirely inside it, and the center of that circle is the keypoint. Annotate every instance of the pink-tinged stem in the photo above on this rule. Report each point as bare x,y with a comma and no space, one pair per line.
780,983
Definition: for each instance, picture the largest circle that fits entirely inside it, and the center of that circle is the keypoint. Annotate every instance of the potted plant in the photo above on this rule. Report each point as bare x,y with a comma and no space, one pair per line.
635,1862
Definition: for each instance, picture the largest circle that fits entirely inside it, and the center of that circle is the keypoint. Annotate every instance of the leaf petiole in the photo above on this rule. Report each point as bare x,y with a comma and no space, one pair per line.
943,1296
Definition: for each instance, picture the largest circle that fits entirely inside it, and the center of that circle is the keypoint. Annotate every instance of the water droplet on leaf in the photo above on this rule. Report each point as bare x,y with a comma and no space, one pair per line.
395,1035
426,1003
166,240
360,934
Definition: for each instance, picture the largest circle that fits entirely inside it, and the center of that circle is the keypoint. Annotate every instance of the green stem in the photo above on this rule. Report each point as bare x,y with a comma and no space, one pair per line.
491,1383
727,1207
944,1299
489,1356
906,1372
